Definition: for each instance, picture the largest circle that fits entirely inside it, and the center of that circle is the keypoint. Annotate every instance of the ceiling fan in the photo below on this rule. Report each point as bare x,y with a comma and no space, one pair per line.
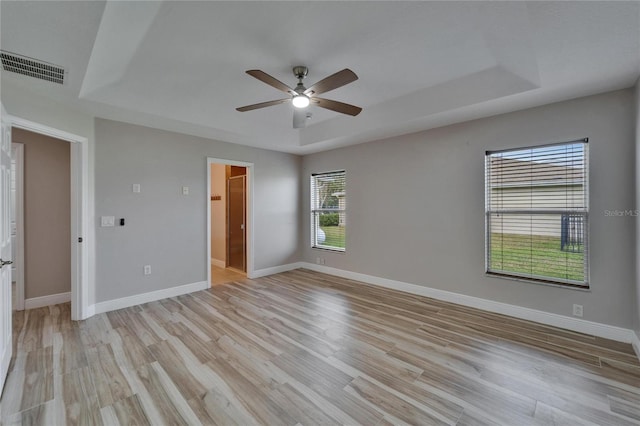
301,97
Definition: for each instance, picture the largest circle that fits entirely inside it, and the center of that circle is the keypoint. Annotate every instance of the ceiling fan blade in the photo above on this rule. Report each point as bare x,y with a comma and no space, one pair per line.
299,118
271,81
334,81
262,105
336,106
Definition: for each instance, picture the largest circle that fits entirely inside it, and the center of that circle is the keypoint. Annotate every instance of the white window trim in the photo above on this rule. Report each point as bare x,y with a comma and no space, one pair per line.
314,212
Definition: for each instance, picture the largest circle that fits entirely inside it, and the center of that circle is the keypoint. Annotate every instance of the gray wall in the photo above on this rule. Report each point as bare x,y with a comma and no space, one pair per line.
416,205
166,229
437,242
47,214
637,127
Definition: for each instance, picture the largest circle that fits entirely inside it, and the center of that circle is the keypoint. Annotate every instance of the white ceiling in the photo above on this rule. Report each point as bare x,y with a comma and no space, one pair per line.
179,65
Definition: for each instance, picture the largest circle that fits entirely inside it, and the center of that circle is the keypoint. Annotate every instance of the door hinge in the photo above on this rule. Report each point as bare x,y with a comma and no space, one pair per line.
79,239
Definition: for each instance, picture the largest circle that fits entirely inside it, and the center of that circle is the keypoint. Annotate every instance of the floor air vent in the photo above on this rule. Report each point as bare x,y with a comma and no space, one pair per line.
32,67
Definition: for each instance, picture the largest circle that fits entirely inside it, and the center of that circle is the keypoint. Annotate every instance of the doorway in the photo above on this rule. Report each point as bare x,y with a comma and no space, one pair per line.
81,256
41,219
229,212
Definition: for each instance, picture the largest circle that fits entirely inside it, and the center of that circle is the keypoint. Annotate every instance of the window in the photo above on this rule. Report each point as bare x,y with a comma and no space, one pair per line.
328,210
536,212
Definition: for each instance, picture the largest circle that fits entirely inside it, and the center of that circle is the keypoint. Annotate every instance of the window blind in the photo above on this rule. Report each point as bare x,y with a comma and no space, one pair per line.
328,210
537,213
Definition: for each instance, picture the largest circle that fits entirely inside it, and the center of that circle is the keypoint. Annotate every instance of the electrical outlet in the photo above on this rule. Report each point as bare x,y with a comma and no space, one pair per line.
577,311
322,260
135,187
317,261
147,269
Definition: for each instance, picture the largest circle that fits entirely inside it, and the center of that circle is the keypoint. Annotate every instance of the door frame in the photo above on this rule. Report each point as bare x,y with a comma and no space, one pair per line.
81,253
249,212
19,259
6,316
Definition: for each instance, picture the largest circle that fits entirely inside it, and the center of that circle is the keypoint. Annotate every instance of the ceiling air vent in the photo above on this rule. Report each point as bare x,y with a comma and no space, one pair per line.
32,67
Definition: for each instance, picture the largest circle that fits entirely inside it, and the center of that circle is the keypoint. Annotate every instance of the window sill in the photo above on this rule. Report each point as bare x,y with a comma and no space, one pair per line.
547,283
332,249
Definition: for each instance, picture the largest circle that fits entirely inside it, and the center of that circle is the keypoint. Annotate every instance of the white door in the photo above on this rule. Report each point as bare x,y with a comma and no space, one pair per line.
5,251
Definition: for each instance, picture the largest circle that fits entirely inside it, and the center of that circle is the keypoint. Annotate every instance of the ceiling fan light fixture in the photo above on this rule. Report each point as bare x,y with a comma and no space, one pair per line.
301,97
300,101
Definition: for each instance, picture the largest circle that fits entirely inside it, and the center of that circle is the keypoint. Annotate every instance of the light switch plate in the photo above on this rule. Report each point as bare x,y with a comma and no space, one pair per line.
107,221
185,190
135,187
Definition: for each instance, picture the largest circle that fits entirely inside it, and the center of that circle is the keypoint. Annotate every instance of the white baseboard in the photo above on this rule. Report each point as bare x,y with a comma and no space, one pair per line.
52,299
636,342
219,263
90,311
581,326
152,296
276,270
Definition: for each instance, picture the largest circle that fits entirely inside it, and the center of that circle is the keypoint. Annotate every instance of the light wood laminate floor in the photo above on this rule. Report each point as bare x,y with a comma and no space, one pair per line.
225,275
306,348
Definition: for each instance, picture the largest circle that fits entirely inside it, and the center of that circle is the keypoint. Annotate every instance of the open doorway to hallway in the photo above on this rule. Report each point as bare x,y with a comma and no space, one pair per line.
82,255
40,219
228,229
